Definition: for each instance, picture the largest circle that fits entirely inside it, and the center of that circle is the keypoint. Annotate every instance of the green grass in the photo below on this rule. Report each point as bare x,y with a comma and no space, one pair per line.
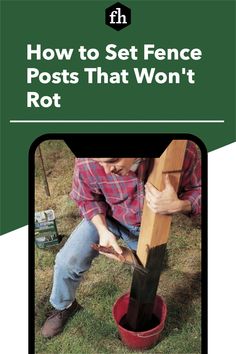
92,330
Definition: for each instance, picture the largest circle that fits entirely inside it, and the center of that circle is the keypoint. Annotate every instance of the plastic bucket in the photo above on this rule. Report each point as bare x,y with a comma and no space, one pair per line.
139,340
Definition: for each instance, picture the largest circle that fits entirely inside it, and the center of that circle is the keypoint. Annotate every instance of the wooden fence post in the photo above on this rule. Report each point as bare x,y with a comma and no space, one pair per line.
153,239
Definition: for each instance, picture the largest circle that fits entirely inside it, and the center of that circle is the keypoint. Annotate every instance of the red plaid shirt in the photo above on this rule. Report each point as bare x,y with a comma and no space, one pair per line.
122,197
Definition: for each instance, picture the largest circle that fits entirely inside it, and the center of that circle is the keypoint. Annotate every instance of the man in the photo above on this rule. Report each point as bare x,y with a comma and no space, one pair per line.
110,193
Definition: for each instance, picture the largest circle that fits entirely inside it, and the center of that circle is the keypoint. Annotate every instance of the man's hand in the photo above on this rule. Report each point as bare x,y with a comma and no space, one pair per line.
167,201
106,237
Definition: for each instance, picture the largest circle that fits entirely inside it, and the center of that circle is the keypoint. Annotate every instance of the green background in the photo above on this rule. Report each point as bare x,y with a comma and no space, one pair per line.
208,25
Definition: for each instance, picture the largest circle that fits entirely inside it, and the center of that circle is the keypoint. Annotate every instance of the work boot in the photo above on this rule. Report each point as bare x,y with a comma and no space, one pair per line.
55,323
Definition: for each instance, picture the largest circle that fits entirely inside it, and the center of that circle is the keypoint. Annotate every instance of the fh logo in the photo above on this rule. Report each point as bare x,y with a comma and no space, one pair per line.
118,16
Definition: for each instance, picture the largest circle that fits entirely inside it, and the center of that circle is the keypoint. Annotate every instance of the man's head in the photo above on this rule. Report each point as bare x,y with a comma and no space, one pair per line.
117,165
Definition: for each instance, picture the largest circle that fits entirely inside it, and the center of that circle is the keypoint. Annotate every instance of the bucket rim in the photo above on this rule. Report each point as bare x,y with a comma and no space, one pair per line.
142,334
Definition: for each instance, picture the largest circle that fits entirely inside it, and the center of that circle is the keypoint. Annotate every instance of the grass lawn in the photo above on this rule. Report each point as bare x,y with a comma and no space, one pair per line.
92,330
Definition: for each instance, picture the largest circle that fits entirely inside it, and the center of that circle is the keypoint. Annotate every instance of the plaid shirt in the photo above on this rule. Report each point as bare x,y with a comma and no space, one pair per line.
122,197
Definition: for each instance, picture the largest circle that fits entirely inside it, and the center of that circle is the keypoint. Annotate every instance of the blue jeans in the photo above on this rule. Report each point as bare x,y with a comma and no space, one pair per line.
76,257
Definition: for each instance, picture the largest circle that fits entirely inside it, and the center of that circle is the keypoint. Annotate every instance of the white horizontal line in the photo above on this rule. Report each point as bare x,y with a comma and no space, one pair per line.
119,121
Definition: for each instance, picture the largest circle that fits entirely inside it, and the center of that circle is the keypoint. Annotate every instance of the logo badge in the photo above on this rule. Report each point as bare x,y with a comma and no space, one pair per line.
118,16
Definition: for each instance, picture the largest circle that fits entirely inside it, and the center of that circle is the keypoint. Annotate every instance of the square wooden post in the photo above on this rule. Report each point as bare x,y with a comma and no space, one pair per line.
153,239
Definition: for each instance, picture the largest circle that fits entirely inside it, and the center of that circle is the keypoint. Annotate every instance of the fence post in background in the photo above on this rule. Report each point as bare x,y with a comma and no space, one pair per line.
45,181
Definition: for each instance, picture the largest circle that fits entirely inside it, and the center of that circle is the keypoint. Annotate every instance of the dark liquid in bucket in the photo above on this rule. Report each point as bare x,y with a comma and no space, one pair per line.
151,324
